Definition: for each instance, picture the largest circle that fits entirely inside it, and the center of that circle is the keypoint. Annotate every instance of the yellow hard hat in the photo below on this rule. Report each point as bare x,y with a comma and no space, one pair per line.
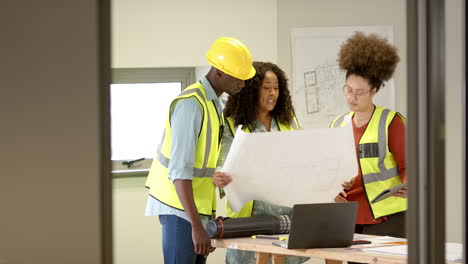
232,57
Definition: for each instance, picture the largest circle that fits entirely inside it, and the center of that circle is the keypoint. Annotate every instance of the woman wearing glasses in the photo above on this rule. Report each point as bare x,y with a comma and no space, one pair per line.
379,135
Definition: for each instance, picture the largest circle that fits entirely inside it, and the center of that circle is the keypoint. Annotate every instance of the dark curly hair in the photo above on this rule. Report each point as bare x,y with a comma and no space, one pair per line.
243,106
370,57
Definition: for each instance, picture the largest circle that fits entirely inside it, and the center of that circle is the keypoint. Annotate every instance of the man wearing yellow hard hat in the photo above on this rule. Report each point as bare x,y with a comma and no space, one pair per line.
181,189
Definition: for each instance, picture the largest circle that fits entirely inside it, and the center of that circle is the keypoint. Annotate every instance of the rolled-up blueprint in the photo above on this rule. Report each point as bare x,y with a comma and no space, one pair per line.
247,226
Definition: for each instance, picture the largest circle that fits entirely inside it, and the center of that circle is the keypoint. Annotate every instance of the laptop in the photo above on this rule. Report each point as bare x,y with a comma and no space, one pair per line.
325,225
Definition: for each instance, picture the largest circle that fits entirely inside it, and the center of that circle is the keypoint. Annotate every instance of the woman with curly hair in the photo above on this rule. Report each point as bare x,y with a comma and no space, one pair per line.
263,105
379,135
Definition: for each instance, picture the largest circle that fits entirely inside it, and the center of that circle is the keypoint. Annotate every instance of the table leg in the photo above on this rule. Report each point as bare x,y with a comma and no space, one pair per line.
277,259
262,258
332,261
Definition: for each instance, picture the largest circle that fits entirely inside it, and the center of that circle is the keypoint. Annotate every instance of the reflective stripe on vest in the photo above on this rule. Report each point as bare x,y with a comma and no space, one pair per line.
206,155
246,210
378,166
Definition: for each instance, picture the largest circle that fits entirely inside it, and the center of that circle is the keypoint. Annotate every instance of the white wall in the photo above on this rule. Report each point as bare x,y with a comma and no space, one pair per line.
305,13
177,33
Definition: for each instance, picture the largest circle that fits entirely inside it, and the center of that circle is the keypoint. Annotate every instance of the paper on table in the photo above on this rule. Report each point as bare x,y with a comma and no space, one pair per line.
378,241
401,250
290,167
453,251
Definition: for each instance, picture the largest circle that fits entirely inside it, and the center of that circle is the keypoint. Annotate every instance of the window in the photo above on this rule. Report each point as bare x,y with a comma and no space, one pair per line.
140,99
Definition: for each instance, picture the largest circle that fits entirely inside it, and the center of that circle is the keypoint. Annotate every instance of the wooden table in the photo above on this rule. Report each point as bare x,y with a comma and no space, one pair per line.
265,250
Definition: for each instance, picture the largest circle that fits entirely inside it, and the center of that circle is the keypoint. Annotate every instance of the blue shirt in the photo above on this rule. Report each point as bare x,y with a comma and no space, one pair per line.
186,120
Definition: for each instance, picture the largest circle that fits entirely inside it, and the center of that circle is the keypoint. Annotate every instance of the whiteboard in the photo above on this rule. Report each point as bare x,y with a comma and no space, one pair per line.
317,80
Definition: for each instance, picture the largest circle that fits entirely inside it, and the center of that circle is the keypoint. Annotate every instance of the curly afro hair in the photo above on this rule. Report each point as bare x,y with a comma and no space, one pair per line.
370,57
243,106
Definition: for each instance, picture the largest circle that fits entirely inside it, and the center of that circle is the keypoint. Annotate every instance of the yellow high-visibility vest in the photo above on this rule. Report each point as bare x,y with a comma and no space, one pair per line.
246,210
206,156
378,166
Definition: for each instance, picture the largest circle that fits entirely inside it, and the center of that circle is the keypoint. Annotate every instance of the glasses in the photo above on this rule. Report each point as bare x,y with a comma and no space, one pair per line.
348,92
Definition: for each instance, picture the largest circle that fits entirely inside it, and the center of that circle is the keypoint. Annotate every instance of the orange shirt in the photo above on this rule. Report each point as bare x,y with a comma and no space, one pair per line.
396,144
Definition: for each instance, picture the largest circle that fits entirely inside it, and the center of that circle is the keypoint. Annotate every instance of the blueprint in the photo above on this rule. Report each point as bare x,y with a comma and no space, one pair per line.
291,167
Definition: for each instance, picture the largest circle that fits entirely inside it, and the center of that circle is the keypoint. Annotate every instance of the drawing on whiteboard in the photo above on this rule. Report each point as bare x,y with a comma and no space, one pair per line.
320,88
317,80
